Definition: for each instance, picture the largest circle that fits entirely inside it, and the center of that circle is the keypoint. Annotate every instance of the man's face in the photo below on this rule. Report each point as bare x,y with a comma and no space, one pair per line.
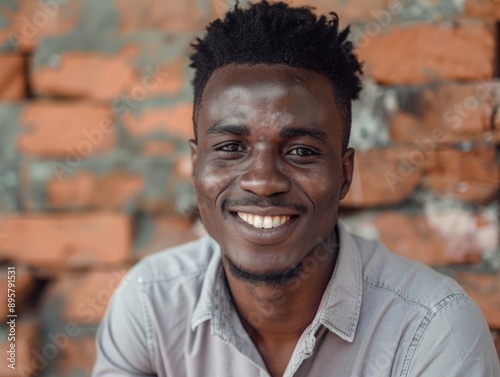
268,165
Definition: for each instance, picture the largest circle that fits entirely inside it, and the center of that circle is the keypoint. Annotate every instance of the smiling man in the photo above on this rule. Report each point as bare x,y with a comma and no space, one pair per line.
279,287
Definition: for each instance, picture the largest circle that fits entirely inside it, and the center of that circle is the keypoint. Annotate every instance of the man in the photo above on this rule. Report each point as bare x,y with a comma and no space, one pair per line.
280,288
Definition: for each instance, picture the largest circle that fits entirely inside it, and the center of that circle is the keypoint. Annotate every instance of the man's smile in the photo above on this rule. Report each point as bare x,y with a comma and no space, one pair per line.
264,222
264,226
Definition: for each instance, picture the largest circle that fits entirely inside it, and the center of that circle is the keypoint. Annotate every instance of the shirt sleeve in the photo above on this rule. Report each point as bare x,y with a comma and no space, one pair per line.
456,342
124,337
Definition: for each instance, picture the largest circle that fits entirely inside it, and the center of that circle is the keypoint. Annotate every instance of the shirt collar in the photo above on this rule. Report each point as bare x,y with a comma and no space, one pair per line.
341,304
339,309
214,302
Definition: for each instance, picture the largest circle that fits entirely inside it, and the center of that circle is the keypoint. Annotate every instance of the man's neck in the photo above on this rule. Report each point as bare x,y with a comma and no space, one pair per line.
276,317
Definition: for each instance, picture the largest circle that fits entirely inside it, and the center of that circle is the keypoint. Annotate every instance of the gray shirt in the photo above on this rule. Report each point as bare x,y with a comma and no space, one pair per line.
381,315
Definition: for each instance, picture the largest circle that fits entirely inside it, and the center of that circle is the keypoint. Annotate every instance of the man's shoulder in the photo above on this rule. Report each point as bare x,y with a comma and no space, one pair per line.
179,262
410,281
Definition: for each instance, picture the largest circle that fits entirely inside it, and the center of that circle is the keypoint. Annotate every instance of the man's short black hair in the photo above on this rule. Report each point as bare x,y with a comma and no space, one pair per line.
276,33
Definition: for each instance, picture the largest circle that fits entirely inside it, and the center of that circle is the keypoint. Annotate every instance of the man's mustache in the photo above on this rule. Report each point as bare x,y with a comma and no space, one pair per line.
280,202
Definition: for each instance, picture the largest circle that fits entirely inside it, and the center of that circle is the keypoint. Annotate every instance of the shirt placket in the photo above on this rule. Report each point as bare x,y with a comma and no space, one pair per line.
304,349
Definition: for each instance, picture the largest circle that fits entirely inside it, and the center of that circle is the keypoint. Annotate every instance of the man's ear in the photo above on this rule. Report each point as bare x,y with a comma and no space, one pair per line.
193,145
347,171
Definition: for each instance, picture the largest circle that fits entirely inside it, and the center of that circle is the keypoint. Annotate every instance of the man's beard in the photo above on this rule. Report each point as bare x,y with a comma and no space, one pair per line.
282,278
270,278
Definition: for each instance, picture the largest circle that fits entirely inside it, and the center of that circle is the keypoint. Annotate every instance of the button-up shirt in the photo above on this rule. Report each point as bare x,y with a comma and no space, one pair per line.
380,315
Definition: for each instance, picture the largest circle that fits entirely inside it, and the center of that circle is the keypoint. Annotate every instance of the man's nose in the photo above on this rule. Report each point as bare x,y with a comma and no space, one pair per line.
264,175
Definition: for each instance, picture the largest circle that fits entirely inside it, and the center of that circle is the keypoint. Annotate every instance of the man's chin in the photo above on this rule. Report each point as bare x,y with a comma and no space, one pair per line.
270,278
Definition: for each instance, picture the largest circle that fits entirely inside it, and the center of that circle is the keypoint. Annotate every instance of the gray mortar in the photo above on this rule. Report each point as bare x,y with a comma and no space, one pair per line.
9,157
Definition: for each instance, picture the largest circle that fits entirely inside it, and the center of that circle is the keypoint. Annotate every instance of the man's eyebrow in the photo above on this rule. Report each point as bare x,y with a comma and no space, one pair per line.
235,129
288,132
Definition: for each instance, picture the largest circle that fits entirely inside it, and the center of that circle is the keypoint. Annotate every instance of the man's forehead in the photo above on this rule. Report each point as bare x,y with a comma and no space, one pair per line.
268,99
278,86
276,79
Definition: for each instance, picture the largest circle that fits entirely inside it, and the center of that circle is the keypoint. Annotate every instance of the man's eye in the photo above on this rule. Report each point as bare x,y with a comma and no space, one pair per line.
302,152
231,148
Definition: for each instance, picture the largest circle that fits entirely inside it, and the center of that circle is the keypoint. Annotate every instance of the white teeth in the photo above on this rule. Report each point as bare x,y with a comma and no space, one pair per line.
263,222
268,222
258,221
276,221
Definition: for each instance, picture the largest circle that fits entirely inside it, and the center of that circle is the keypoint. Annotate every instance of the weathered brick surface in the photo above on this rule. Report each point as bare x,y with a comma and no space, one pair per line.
25,22
82,298
471,176
171,125
59,129
112,75
12,77
391,175
445,113
424,62
26,343
348,11
66,240
116,190
437,239
383,176
173,17
120,183
483,8
109,78
484,288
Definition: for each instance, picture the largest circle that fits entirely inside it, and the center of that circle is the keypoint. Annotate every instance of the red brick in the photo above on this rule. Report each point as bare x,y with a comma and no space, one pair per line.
12,77
484,288
348,11
161,232
445,113
472,176
173,121
24,284
460,50
151,185
172,17
86,190
29,22
437,239
26,343
483,8
62,241
382,176
82,298
218,8
62,129
109,77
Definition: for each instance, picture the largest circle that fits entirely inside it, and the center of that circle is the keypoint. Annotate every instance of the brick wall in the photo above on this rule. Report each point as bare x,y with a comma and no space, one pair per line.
95,107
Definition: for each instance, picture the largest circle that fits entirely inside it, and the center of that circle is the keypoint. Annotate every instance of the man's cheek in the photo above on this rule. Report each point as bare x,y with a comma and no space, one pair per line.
209,185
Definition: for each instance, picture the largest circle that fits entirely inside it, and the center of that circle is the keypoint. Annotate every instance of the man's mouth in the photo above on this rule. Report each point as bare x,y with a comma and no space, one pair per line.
264,222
